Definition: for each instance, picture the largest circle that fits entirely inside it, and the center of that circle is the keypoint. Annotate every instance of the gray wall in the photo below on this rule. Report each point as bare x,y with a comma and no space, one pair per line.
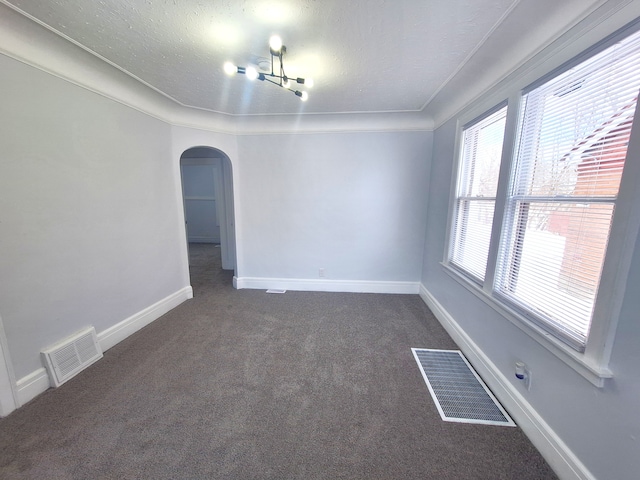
351,203
90,230
600,426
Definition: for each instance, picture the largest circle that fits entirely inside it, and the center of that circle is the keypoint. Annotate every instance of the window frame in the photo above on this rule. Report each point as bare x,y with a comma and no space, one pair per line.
455,188
592,363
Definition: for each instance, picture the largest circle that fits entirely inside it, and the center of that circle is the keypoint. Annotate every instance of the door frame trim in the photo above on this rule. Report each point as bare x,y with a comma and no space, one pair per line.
8,393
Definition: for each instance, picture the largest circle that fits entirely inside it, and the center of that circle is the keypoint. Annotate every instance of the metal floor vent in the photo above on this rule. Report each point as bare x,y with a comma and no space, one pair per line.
70,356
458,392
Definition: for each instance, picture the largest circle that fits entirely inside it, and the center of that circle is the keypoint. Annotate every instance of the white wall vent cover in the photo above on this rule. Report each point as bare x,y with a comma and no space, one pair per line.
70,356
457,390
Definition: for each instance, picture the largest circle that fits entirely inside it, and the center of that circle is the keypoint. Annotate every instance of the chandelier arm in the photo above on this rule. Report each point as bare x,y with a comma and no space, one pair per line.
271,81
272,75
278,84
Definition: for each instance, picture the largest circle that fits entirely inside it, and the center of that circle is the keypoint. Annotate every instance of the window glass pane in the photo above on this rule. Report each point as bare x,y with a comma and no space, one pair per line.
555,262
473,235
571,153
476,192
577,125
482,145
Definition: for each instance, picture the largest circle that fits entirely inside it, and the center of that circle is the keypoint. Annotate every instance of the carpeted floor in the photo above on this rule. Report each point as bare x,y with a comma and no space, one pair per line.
240,384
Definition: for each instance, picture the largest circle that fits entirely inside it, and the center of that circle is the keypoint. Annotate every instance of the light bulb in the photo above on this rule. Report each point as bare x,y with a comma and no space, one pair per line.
275,44
304,97
308,82
252,73
286,83
230,68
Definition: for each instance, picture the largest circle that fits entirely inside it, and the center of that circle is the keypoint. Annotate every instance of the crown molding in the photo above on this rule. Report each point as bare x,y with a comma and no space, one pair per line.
600,19
32,43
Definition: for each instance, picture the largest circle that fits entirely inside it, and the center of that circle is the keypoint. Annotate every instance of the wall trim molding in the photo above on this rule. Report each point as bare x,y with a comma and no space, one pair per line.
8,392
31,42
309,285
118,332
561,459
32,385
596,22
37,382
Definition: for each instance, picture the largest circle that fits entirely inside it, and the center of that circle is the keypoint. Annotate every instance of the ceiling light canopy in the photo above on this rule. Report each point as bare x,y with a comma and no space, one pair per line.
279,77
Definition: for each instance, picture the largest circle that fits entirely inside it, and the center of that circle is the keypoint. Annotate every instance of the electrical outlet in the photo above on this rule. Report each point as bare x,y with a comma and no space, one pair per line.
321,273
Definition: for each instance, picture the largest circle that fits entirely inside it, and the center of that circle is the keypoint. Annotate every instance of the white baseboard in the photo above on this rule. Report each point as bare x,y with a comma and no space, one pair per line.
563,461
308,285
115,334
37,382
32,385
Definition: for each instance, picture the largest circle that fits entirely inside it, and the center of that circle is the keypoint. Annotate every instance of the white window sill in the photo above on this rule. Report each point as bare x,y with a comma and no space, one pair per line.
592,371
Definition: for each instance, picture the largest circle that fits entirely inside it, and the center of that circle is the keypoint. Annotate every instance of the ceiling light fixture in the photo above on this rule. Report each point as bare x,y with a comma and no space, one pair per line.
279,78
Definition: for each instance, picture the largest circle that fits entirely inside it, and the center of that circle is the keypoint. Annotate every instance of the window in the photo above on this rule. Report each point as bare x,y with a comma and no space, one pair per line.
476,195
555,219
572,148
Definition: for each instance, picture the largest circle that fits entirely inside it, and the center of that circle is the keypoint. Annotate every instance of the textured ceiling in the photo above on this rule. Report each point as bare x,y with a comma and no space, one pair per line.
364,55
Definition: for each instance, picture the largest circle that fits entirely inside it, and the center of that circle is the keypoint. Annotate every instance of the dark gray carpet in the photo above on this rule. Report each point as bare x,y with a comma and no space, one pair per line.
240,384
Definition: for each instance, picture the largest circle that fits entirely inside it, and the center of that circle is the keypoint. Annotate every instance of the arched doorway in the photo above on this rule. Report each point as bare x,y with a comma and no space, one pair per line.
207,192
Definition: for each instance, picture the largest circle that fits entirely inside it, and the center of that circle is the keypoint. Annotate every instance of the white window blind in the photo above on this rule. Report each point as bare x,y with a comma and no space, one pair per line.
573,140
476,193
